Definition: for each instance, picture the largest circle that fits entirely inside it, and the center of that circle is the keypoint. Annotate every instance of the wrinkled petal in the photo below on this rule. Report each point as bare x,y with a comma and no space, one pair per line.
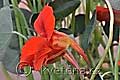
41,56
45,22
103,14
31,47
39,63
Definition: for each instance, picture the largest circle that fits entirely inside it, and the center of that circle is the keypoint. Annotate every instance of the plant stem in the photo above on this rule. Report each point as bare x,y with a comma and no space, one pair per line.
109,40
91,58
116,60
17,23
87,16
23,22
106,73
111,60
73,22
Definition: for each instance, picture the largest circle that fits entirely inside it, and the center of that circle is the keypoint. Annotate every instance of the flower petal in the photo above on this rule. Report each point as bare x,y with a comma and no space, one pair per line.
75,46
30,48
59,40
68,56
103,14
45,22
66,41
39,63
52,57
41,56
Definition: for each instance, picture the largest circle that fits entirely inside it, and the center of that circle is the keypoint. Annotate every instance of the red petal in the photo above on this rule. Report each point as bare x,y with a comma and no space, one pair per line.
53,56
71,59
30,48
39,63
65,41
41,56
75,46
59,40
103,14
44,24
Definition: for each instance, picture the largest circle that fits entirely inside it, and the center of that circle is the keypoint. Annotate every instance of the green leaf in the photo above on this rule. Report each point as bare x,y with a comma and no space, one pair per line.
9,49
27,14
6,28
79,24
85,38
12,52
63,8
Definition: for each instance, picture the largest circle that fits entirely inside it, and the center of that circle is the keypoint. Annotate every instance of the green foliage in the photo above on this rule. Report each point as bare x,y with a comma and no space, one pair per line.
85,39
63,8
79,24
6,28
11,54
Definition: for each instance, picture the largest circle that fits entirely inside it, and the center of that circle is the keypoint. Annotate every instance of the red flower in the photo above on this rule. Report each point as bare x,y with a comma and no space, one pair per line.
49,45
103,14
